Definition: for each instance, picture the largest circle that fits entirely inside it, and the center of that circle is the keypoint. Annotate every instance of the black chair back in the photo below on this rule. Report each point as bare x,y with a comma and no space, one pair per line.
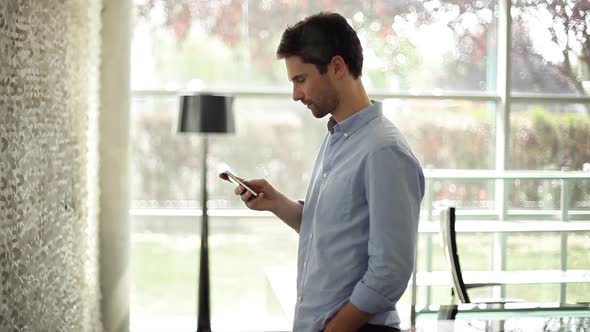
450,248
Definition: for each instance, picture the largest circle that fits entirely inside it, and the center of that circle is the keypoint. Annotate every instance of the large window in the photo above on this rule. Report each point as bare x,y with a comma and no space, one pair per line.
440,67
550,47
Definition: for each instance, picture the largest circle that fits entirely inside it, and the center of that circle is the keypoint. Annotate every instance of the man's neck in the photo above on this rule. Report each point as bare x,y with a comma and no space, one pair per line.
353,99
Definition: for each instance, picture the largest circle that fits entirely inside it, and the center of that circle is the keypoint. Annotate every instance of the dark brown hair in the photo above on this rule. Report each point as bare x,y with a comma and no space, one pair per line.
318,38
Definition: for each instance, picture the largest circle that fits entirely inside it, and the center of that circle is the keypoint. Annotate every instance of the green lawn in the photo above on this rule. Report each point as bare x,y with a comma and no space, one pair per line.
165,273
164,269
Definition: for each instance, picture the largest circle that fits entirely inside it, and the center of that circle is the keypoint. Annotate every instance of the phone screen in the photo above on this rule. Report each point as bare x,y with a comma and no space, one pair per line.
237,182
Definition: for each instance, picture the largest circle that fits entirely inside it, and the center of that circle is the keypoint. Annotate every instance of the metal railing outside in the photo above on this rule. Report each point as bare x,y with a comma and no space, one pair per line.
503,214
429,223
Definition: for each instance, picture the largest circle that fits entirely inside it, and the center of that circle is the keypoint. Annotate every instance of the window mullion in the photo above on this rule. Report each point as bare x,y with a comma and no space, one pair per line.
502,128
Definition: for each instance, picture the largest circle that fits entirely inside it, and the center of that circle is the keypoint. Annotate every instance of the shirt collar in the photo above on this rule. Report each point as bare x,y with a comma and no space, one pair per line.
357,120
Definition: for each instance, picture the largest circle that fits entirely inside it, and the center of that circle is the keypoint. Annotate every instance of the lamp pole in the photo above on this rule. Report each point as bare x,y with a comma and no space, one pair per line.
204,114
204,314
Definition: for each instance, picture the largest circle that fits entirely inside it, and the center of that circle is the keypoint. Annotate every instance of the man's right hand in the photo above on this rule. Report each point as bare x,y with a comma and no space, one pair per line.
270,199
267,198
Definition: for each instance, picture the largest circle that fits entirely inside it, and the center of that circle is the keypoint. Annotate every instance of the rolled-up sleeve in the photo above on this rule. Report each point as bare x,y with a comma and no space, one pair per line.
394,190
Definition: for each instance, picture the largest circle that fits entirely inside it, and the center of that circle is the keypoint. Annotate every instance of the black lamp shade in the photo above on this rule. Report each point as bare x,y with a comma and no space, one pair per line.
206,113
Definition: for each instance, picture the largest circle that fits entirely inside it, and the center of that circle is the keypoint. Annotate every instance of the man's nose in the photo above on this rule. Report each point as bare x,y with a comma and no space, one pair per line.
297,95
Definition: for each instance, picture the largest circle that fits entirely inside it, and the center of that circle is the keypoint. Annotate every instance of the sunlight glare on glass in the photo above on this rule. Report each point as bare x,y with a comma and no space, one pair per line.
262,170
433,41
158,14
222,167
195,85
359,17
541,38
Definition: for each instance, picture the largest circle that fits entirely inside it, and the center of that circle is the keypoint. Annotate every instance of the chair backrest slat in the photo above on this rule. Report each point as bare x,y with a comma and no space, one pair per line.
450,248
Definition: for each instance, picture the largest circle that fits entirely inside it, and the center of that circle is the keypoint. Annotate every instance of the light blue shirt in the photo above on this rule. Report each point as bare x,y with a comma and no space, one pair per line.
360,222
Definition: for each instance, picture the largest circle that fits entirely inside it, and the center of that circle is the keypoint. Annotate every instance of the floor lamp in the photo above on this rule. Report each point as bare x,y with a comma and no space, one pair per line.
205,114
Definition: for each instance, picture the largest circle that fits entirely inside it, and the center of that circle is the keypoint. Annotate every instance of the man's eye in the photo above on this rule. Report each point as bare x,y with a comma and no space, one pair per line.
300,80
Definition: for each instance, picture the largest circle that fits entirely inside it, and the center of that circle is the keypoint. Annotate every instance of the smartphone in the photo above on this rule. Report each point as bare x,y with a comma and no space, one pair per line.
237,181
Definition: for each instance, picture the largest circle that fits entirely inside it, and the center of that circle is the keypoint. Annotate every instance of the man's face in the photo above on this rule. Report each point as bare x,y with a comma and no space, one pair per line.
313,89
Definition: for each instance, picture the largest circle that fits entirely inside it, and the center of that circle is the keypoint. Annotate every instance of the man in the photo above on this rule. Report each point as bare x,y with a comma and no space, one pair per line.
358,224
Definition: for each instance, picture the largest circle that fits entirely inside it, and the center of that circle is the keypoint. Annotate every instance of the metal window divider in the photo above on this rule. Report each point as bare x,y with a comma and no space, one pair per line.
564,193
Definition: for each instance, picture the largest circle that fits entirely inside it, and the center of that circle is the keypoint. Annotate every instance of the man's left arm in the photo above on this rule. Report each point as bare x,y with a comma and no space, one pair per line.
394,190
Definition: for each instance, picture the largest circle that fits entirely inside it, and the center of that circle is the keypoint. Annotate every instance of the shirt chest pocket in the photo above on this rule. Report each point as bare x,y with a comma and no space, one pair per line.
340,197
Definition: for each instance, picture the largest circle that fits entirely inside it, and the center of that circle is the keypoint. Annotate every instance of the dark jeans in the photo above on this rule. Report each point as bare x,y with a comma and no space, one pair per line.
377,328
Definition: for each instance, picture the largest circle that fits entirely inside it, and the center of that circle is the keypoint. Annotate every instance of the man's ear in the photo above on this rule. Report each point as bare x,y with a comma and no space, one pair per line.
339,68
